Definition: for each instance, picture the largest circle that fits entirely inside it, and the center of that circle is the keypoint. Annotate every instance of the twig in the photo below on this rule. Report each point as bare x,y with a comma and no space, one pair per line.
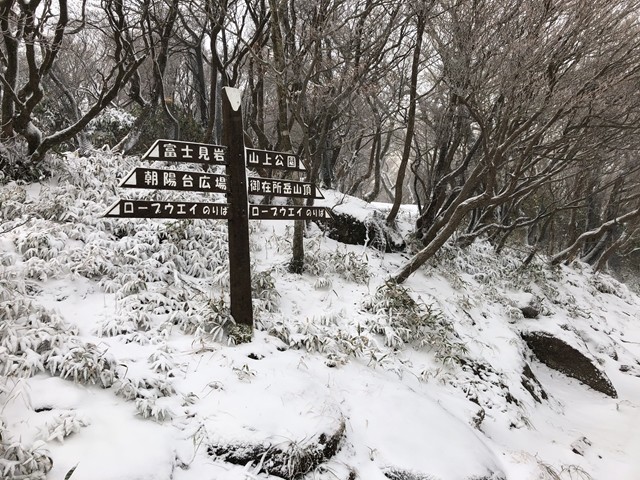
13,228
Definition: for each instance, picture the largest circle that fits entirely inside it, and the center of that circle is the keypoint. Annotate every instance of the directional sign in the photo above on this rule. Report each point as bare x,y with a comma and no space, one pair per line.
270,159
189,152
153,209
282,188
285,212
175,180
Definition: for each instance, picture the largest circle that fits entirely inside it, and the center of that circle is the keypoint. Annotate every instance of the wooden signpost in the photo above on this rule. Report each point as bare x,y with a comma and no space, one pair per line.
235,185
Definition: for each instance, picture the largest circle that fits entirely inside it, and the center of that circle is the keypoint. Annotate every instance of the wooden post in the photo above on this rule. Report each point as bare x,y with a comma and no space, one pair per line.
239,259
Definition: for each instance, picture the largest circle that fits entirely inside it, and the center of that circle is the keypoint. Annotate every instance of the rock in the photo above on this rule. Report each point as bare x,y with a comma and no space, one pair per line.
529,311
560,356
580,446
372,231
289,462
399,474
532,385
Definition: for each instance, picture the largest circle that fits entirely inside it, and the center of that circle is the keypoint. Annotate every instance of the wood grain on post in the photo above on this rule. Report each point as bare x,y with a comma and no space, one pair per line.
239,259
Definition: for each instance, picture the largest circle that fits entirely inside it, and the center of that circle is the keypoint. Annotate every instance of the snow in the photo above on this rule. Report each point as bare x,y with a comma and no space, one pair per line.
448,404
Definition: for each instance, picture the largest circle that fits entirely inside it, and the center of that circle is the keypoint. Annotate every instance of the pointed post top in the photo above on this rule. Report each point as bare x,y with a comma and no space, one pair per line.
235,97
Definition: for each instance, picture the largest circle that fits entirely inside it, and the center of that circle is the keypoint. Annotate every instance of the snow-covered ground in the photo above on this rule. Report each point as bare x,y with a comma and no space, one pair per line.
115,359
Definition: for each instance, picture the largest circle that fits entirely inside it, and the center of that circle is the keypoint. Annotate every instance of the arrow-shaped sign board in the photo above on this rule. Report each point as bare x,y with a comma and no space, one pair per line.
286,212
176,210
270,159
189,152
282,188
159,179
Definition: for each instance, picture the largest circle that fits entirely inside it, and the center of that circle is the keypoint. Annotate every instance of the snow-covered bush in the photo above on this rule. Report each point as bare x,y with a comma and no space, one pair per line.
83,363
326,334
401,320
12,201
154,408
27,334
265,296
144,387
161,361
341,262
110,126
65,424
19,462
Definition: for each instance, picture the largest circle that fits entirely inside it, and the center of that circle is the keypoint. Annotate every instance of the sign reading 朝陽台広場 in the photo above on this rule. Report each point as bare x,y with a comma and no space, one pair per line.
161,179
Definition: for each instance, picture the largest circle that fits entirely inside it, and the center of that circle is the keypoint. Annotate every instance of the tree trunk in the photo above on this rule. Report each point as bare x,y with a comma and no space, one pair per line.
411,119
439,240
569,253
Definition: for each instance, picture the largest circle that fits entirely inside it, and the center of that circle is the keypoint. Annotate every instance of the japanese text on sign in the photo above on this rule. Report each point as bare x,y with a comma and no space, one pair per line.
284,212
269,159
175,210
190,152
282,188
175,180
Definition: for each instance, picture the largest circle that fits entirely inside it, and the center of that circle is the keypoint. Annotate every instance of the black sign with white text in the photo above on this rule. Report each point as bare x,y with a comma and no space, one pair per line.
175,180
188,152
175,210
282,188
270,159
287,212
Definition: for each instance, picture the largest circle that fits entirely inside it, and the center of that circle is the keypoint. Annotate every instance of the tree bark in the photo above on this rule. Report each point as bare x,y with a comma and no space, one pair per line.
411,119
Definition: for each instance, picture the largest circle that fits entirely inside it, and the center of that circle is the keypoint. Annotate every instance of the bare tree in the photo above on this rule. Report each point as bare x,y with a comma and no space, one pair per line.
33,34
538,83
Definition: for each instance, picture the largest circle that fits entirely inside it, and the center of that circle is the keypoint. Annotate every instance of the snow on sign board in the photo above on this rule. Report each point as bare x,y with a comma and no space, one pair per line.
188,152
162,179
165,209
271,159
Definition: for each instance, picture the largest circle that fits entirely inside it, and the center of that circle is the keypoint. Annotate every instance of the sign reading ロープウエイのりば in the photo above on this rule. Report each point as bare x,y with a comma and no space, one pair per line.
284,212
168,210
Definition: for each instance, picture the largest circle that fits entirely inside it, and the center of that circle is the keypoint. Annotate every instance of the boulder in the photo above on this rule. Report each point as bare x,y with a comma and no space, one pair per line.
399,474
529,311
561,356
372,231
287,461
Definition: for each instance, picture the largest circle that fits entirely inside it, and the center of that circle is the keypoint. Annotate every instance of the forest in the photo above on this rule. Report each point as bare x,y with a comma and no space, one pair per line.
514,121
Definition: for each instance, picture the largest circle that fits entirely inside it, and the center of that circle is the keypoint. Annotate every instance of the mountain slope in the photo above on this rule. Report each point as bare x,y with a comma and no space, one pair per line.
114,354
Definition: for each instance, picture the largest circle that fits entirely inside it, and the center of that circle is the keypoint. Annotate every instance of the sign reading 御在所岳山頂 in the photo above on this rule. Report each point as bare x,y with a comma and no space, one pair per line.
283,188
